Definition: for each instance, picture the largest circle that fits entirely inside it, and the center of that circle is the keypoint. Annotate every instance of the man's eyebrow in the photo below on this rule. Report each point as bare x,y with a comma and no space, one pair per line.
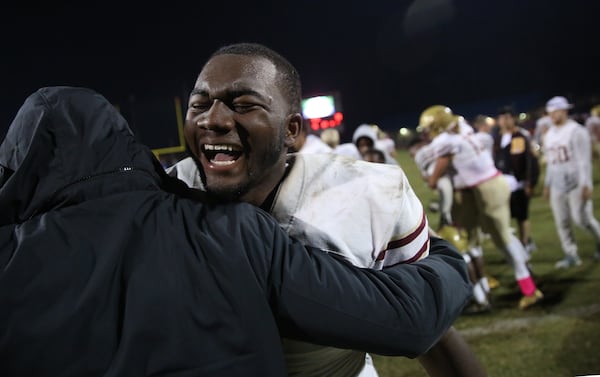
198,91
247,92
232,94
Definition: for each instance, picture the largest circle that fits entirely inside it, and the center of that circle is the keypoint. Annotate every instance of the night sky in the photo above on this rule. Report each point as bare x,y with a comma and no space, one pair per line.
388,60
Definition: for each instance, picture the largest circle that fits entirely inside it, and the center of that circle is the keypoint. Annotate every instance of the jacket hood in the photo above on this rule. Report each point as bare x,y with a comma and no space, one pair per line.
61,141
364,130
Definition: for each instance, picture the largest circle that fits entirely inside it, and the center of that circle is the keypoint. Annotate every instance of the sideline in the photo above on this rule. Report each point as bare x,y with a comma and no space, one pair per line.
520,323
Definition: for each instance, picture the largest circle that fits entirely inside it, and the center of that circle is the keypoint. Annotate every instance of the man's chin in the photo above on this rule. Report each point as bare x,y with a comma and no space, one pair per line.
227,193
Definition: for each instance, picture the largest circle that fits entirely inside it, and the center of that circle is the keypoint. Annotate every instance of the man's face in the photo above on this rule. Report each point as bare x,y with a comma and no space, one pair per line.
558,116
506,121
236,126
364,144
374,156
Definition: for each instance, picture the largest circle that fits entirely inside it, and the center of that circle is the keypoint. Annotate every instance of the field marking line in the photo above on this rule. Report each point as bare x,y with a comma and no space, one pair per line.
505,325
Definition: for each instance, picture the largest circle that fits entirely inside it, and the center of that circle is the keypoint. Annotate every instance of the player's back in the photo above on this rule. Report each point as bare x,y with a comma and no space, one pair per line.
471,160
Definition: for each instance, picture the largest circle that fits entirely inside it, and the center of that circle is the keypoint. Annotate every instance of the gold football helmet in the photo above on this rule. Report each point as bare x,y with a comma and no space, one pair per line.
456,237
436,119
595,110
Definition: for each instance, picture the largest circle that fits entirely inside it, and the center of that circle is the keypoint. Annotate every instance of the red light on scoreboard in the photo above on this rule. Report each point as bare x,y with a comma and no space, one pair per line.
317,124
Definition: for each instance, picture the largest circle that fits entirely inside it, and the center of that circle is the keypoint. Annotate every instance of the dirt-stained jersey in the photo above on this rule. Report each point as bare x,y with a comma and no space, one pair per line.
366,212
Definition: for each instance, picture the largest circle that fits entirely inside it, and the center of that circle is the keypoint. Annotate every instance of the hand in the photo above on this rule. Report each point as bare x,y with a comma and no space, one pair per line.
432,182
546,193
586,193
528,191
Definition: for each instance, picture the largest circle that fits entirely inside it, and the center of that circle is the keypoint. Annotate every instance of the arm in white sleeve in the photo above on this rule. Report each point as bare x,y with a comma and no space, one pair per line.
582,154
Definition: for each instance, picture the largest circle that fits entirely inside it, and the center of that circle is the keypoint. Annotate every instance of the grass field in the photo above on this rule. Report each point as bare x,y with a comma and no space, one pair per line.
560,336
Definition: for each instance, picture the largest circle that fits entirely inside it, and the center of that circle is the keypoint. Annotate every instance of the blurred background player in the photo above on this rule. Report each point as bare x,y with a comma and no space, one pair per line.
331,137
385,142
374,155
365,137
514,158
483,195
424,154
485,124
306,142
568,181
592,123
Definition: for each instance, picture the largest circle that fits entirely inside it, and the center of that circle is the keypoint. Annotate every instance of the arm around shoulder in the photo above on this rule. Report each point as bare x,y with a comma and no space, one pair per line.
402,310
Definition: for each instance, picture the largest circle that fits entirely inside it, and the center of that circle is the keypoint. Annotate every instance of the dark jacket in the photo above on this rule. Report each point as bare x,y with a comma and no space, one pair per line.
517,158
104,273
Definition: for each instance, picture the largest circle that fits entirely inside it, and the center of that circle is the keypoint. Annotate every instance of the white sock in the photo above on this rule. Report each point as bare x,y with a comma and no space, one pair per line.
479,294
484,284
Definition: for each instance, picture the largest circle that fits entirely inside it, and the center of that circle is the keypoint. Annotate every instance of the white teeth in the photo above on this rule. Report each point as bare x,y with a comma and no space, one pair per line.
222,163
218,147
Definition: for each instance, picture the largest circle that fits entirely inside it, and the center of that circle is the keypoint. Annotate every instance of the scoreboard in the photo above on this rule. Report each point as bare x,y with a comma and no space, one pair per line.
323,111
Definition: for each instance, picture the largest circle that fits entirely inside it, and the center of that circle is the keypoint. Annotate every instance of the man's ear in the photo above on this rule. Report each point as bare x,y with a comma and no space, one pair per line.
293,128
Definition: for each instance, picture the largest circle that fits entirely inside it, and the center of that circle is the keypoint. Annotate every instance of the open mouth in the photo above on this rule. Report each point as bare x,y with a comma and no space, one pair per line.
221,154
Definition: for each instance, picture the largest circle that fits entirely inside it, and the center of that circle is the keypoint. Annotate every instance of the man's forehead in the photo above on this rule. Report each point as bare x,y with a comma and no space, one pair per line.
238,70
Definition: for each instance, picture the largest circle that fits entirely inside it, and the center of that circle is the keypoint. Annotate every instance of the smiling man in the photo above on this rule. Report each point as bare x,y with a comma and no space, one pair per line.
238,129
243,116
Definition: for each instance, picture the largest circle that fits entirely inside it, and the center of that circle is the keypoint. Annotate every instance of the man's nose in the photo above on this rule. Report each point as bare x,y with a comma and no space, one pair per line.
219,117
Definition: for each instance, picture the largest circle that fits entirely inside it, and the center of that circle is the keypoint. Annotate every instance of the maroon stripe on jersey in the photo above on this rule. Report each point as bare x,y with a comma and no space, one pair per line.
409,238
416,257
405,240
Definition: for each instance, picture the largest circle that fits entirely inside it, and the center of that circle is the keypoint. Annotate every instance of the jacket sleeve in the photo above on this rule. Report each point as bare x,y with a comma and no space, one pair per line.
401,311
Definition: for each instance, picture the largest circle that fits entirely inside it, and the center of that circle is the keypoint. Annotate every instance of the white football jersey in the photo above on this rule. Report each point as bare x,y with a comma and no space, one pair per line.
425,158
472,162
567,149
314,144
593,126
486,140
366,212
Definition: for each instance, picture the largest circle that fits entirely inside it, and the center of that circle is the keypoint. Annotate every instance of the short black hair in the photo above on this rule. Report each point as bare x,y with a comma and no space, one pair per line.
378,152
288,75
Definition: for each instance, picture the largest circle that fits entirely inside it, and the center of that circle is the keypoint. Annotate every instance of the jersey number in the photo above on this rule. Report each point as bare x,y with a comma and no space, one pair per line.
558,155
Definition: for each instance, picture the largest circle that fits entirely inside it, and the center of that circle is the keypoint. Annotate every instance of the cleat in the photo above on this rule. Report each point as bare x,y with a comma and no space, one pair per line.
493,283
527,301
568,262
